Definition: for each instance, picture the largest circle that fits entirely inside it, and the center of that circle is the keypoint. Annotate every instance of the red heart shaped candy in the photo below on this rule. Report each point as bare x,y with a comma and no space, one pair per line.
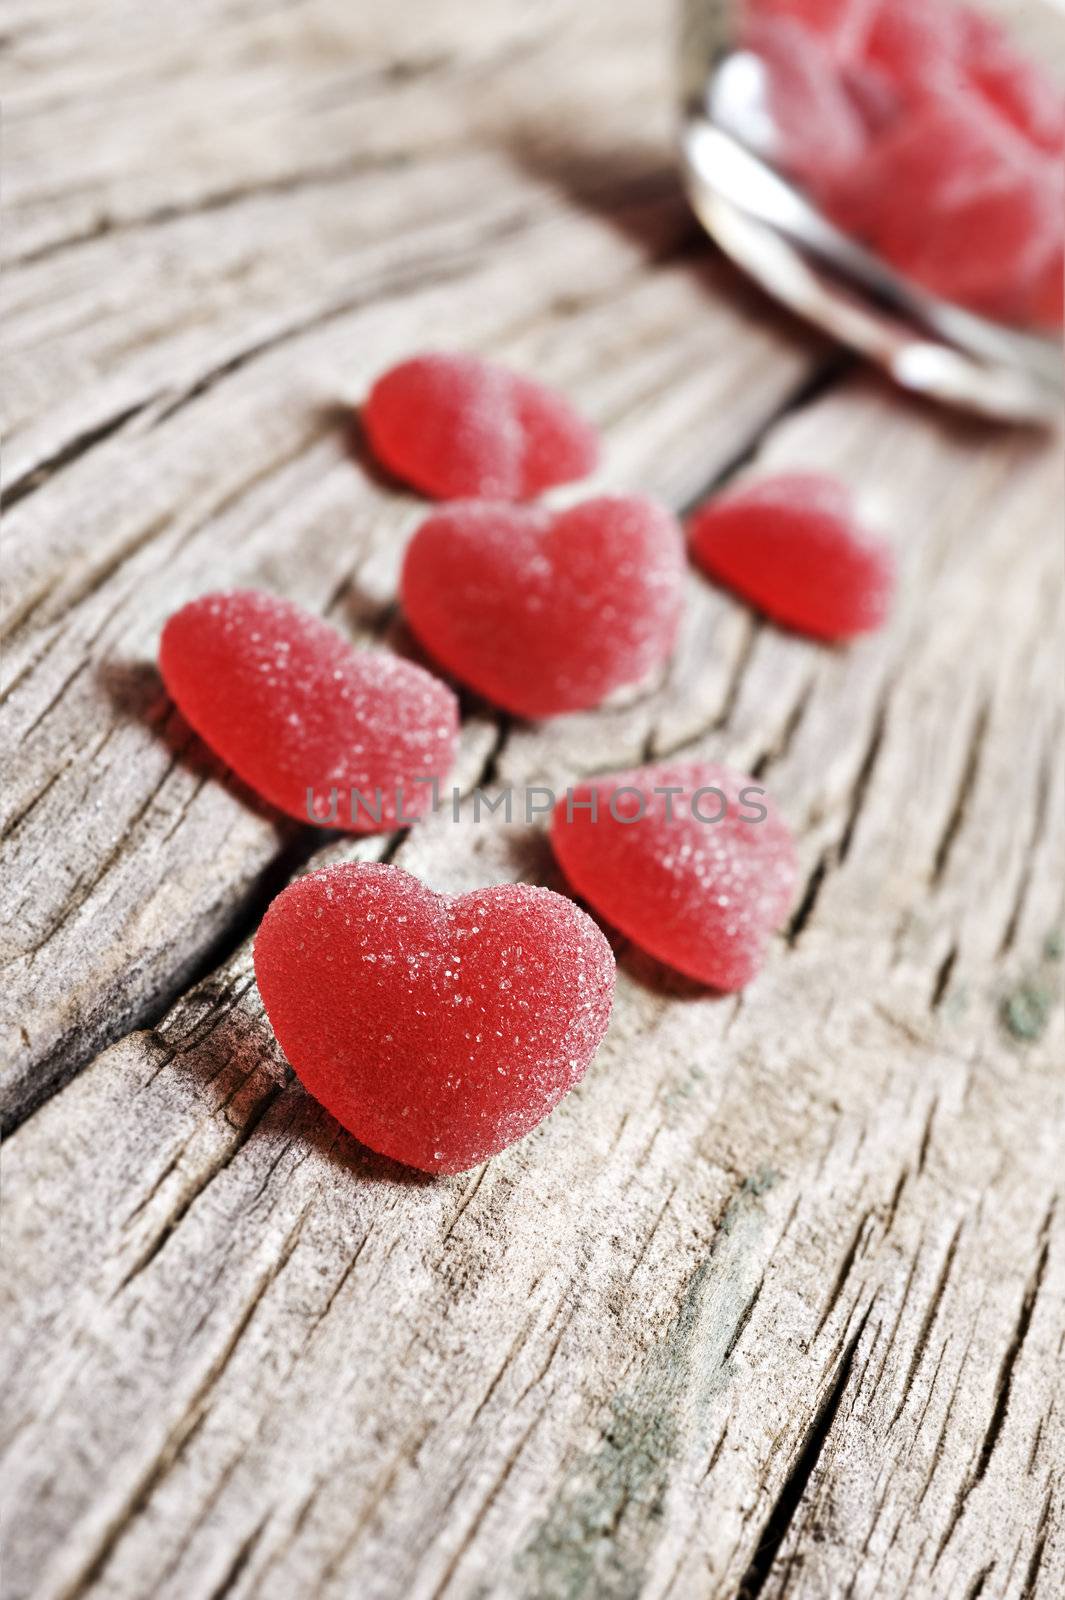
455,425
791,546
691,860
543,612
437,1030
292,707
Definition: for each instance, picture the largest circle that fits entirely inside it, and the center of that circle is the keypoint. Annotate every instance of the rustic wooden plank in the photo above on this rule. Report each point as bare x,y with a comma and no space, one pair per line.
773,1303
805,1318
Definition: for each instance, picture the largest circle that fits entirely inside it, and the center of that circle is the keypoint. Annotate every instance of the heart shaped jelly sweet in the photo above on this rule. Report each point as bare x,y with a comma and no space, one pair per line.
791,546
1018,88
691,860
303,718
437,1030
456,425
818,132
957,199
546,612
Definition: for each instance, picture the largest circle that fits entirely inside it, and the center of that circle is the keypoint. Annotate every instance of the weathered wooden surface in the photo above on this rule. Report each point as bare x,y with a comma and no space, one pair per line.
773,1303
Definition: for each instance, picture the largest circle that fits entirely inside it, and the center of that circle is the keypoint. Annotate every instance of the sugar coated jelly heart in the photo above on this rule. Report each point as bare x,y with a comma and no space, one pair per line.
956,199
914,43
457,426
437,1030
292,707
791,546
819,134
690,859
1017,88
544,612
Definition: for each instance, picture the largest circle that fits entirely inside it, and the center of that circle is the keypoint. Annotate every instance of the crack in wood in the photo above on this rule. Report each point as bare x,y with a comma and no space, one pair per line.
979,1583
924,1332
834,855
48,707
1037,1439
926,1136
808,900
298,1523
326,175
1031,1576
778,750
744,1318
1040,812
865,776
86,885
715,1456
401,281
222,1001
552,1349
410,1450
889,1342
1003,1384
792,1492
182,1432
893,1203
829,374
336,1291
493,1495
91,583
942,979
243,1554
44,471
516,1346
56,1069
251,1122
970,770
919,1423
948,1417
843,1272
469,1195
648,1239
176,1557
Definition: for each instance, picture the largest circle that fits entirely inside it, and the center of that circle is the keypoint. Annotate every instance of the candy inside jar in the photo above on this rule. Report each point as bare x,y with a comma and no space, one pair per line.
922,130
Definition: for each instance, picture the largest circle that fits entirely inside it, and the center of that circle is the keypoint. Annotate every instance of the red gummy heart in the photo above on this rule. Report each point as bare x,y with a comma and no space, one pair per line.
790,546
838,22
958,201
457,426
691,860
292,707
916,44
819,133
1047,300
542,612
437,1030
1019,89
989,253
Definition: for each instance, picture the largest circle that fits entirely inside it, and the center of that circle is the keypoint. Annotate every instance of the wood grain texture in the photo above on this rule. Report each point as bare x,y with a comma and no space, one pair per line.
773,1304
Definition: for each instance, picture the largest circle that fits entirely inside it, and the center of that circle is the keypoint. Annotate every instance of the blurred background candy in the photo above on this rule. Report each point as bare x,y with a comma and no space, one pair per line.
923,131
